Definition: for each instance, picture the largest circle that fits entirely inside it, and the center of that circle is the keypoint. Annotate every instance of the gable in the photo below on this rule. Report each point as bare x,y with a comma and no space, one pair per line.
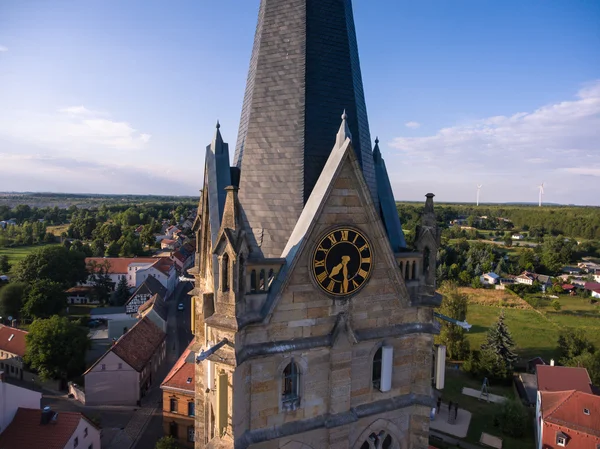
340,198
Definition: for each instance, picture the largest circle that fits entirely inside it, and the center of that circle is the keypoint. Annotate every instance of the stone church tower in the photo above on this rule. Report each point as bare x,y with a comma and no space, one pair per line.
313,321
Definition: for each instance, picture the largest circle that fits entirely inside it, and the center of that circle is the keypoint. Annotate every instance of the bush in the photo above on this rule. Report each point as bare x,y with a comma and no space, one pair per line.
555,304
512,418
533,301
471,364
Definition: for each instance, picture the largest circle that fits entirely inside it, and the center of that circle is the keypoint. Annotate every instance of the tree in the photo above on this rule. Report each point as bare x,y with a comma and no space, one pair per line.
589,361
56,348
167,442
122,292
497,357
100,278
43,299
55,263
112,250
11,299
97,248
511,418
4,265
573,343
454,305
555,303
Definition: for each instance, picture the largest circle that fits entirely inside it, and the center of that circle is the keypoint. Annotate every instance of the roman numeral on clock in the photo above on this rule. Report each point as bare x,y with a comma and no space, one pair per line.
330,286
320,263
322,276
332,238
362,273
344,236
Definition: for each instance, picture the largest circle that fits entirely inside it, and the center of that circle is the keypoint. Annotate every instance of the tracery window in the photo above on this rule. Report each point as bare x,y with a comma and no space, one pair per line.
381,440
291,380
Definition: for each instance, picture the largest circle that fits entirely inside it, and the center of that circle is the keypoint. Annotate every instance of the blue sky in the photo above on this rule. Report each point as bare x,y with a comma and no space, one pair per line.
122,97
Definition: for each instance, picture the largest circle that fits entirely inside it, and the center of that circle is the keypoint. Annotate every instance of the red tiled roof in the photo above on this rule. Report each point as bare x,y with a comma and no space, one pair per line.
138,345
80,289
566,409
15,344
177,255
594,286
181,372
568,286
26,431
563,378
163,264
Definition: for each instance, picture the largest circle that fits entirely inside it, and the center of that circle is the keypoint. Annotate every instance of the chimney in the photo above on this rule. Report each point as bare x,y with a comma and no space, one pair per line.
47,415
551,362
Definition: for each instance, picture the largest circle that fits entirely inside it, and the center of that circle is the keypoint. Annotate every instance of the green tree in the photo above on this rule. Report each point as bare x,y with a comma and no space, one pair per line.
589,361
464,277
112,250
573,343
4,265
11,299
497,357
511,418
97,248
555,303
56,348
167,442
100,279
122,292
43,299
454,305
54,263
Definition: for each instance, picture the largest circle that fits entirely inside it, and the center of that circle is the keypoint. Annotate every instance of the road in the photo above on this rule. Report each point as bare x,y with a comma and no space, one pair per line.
122,425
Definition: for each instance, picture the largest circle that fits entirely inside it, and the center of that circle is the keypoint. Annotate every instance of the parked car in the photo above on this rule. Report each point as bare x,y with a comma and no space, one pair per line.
180,306
94,323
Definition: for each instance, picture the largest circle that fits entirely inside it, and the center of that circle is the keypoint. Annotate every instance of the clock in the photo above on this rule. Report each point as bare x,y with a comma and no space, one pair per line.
342,261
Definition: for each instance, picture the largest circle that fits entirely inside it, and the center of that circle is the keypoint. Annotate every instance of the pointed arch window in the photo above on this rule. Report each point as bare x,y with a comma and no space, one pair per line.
253,281
290,394
426,257
262,281
225,272
376,368
381,440
242,275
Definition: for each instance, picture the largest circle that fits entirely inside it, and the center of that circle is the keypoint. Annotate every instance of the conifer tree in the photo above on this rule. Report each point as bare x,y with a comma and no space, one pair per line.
497,357
122,292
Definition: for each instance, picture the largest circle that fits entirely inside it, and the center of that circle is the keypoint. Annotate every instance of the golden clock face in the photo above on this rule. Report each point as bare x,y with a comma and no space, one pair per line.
342,262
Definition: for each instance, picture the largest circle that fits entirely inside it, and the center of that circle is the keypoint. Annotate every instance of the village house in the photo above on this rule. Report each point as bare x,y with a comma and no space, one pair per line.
489,278
169,244
123,375
150,287
179,408
32,428
137,269
12,397
593,288
525,278
81,294
156,310
556,385
12,351
170,231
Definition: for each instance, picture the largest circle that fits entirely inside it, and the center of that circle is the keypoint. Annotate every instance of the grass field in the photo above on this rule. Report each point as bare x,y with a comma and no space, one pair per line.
482,413
535,331
19,252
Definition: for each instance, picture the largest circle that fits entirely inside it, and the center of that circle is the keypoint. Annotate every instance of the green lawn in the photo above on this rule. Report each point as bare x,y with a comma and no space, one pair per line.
482,412
17,253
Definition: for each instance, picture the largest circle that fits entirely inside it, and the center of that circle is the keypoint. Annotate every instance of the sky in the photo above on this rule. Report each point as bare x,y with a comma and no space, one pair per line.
112,96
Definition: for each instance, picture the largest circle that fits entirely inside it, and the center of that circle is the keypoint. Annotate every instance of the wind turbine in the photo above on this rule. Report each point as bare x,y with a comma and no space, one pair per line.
478,189
541,187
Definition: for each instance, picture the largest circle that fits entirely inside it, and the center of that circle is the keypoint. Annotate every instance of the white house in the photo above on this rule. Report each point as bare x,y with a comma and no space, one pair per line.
489,278
518,237
525,278
32,428
13,397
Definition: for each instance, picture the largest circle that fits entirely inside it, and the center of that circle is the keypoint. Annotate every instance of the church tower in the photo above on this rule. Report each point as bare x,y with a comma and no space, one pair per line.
312,320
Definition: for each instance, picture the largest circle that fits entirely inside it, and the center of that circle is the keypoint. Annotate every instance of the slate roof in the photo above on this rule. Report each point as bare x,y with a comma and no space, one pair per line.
12,340
150,286
182,371
566,409
26,431
562,378
137,346
158,305
290,117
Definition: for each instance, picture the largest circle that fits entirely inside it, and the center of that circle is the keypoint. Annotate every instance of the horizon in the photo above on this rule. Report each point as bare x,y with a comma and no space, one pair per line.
456,97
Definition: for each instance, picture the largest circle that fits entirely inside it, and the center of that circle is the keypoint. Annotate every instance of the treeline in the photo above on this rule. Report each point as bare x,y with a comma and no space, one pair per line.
28,233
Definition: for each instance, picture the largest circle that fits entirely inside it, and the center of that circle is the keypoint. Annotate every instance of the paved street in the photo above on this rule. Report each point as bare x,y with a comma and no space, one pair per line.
138,427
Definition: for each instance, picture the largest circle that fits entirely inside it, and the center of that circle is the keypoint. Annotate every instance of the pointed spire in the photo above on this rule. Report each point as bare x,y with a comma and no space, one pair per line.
218,140
344,131
376,152
428,218
231,216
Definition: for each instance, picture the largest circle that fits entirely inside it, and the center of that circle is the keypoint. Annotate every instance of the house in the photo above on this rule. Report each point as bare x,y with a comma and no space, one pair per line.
569,419
137,269
544,280
81,294
525,278
568,288
551,379
123,375
489,278
597,276
178,400
150,287
32,428
156,310
169,244
170,231
517,237
12,397
593,288
12,351
571,270
119,327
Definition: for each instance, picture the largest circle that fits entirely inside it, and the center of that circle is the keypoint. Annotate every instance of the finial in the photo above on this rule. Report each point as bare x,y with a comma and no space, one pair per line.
376,140
218,124
344,116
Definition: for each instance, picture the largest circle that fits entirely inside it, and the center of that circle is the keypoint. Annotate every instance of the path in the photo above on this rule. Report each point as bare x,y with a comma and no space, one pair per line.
477,394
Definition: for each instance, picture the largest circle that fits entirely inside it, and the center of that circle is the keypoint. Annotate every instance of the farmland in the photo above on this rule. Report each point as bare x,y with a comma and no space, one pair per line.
15,254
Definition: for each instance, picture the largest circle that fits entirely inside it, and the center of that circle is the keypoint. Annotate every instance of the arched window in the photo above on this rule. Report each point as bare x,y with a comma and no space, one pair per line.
401,267
291,383
242,275
270,278
262,281
407,270
225,272
414,270
253,281
381,440
376,377
426,256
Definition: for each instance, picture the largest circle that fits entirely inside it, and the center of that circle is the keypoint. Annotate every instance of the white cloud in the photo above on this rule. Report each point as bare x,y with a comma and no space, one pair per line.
412,124
74,127
589,171
3,48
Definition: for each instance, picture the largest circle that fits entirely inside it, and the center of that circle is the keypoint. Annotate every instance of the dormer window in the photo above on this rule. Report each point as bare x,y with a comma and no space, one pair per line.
561,439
